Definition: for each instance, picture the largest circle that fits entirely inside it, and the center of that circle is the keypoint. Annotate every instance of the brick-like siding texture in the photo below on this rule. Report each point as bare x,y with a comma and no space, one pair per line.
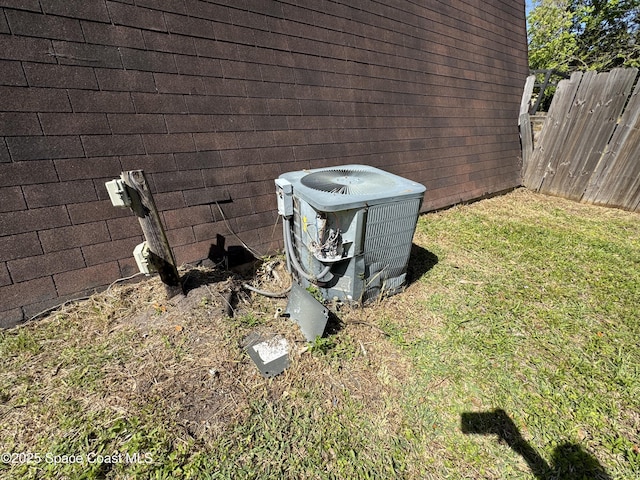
214,100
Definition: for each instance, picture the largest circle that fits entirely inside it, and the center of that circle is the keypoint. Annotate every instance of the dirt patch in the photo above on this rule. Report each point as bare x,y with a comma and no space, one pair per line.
188,358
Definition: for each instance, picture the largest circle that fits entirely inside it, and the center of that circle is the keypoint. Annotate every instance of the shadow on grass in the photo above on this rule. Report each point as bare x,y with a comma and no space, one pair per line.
569,462
421,261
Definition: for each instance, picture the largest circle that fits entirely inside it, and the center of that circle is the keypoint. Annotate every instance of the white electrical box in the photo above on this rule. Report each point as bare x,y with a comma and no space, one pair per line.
118,193
142,253
284,190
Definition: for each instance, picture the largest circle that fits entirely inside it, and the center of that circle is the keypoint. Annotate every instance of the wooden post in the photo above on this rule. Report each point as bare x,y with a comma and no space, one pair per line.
526,96
526,140
144,207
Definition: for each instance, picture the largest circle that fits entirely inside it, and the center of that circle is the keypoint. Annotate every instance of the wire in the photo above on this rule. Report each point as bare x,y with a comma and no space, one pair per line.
123,280
294,260
60,305
267,293
63,304
255,253
273,231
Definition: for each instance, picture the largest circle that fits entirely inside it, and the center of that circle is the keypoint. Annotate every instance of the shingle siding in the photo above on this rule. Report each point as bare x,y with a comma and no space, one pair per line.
215,99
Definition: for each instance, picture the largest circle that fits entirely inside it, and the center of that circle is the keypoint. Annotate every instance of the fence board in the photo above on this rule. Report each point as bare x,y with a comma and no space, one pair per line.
590,143
627,192
620,97
526,95
576,122
607,96
552,132
632,109
526,137
614,181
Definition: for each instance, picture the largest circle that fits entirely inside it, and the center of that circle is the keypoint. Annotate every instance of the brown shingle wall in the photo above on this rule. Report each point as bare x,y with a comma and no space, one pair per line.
216,99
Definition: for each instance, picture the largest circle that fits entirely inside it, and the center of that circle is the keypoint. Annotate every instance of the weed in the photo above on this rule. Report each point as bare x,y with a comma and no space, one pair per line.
315,293
322,345
250,320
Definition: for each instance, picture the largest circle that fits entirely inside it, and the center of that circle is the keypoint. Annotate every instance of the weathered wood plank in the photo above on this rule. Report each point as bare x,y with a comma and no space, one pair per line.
553,132
145,209
575,121
615,172
604,112
568,111
526,138
620,98
626,193
526,95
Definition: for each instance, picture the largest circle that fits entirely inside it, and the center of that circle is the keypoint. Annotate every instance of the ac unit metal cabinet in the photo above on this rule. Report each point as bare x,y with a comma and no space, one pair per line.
348,229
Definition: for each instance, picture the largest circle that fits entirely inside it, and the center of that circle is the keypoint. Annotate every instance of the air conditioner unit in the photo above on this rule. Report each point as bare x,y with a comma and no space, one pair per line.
348,229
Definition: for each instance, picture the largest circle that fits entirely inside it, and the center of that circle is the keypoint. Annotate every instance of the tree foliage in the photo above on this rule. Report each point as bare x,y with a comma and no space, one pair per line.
552,43
570,35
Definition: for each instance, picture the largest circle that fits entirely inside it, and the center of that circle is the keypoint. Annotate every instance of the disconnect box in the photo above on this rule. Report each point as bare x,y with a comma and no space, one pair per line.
142,254
284,190
118,193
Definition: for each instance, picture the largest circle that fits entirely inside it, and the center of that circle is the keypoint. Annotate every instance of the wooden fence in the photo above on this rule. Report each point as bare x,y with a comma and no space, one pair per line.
589,148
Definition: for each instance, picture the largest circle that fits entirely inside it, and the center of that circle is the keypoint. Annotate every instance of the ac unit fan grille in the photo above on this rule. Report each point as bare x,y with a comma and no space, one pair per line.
347,182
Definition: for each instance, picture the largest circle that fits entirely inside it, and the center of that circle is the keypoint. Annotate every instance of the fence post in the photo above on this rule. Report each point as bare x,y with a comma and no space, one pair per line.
145,209
526,140
526,96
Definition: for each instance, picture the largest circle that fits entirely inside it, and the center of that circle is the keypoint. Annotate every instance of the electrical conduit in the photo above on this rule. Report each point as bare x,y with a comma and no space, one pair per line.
288,245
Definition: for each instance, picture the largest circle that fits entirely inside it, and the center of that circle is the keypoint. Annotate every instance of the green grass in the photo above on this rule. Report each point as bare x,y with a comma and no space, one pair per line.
515,355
